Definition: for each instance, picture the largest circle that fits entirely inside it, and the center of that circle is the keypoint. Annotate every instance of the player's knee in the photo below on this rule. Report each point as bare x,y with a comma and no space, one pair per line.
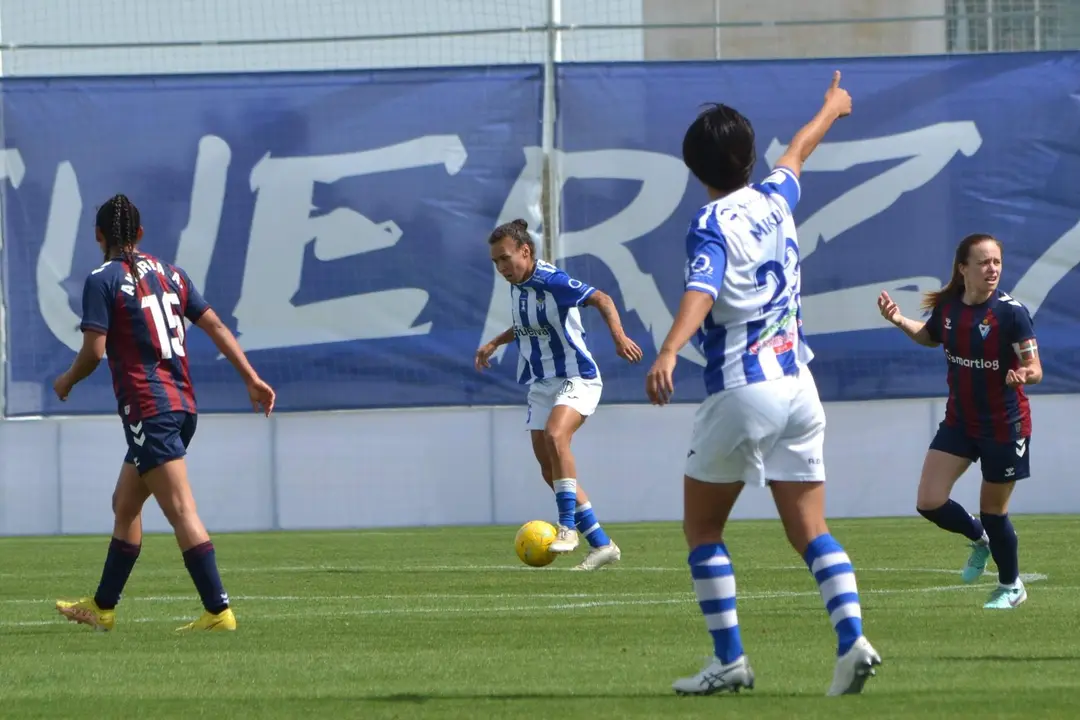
698,533
557,440
931,497
178,510
802,532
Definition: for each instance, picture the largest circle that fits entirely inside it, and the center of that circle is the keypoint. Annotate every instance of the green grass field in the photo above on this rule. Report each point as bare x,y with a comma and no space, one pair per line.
445,623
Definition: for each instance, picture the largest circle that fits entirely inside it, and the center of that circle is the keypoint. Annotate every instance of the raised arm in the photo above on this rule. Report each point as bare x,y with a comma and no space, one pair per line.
917,331
837,105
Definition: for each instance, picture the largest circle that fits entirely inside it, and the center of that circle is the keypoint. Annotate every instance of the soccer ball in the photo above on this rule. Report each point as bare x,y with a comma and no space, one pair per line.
532,542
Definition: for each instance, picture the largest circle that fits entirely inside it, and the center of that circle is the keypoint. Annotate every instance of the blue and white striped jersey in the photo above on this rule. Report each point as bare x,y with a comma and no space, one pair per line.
547,324
743,251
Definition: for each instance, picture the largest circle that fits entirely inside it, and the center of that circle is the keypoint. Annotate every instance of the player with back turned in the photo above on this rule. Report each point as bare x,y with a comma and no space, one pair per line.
762,422
991,354
134,307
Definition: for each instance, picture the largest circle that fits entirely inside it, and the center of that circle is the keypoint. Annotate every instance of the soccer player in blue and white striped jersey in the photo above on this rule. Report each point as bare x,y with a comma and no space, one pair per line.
563,378
762,421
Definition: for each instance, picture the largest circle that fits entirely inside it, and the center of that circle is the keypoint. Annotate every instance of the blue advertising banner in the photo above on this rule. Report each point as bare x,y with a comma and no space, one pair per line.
338,221
936,148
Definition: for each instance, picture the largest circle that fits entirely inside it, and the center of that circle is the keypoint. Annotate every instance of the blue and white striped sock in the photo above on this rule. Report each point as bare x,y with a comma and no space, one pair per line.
835,577
565,499
714,585
589,527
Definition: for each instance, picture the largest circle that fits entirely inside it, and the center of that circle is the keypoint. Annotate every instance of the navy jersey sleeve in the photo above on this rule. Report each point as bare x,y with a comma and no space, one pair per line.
97,302
706,255
933,325
567,291
1021,326
782,183
196,304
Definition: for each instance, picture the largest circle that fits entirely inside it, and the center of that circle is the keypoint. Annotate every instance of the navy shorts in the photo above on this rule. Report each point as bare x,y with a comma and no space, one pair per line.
1001,462
156,440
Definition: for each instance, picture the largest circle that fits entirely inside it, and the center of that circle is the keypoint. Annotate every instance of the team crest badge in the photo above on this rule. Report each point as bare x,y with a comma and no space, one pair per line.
984,327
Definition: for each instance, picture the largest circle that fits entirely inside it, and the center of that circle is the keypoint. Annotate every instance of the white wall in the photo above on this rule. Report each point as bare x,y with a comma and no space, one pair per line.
871,28
475,466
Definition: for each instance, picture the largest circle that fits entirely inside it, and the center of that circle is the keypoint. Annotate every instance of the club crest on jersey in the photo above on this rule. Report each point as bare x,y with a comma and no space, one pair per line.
984,327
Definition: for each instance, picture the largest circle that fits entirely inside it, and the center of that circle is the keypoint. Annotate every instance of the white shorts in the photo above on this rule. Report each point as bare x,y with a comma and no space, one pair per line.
579,393
773,430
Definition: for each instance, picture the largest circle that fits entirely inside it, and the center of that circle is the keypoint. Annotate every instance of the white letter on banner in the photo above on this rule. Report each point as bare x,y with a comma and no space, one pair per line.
282,227
57,256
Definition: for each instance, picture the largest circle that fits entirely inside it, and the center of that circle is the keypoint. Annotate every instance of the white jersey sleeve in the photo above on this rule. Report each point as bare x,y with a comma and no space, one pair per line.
782,184
706,256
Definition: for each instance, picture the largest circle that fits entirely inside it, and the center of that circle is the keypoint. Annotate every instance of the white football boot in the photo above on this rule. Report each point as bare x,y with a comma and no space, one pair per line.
854,668
566,540
599,557
717,677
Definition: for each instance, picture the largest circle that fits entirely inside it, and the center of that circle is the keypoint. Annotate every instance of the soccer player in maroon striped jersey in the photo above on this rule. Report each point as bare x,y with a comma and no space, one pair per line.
991,354
134,307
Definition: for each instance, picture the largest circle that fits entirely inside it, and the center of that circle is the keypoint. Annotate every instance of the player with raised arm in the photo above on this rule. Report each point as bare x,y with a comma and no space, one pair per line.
563,378
762,422
134,307
991,353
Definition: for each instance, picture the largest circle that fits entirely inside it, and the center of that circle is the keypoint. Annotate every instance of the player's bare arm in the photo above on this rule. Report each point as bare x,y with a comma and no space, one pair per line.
85,362
484,353
912,328
262,395
693,308
837,105
626,348
1030,371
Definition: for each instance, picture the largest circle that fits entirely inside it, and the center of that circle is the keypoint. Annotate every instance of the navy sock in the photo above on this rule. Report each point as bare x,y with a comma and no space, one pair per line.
201,563
114,576
1003,546
953,517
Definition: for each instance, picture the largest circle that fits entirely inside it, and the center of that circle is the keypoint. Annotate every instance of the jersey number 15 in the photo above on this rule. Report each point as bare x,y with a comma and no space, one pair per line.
167,323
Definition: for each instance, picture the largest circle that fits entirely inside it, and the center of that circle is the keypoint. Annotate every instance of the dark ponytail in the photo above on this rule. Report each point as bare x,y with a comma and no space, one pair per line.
118,221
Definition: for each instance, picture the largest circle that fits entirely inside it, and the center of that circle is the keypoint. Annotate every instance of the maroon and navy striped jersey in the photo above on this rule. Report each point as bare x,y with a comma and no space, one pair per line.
145,333
981,346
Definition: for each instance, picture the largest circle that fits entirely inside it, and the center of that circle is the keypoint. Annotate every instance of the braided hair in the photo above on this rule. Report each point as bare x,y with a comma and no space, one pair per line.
118,221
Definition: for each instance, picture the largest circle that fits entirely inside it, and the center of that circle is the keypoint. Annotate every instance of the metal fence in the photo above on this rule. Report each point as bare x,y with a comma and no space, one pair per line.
74,37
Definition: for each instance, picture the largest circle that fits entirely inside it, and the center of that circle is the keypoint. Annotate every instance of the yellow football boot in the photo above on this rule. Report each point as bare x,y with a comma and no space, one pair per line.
224,620
87,612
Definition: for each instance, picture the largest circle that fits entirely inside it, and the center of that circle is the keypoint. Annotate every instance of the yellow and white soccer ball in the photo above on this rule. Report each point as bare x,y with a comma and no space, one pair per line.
533,541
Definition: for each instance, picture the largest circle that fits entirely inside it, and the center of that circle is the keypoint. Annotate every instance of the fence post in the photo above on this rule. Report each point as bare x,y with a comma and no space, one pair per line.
549,194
